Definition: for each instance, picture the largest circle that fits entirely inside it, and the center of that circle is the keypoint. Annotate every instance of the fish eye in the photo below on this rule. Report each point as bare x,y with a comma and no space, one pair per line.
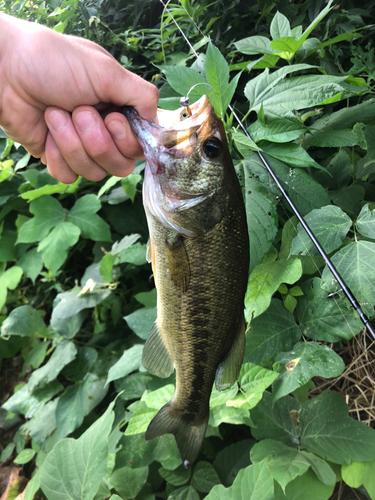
212,147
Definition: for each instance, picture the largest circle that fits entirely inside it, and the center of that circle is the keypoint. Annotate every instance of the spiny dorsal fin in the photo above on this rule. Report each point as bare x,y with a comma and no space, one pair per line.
155,357
229,369
178,261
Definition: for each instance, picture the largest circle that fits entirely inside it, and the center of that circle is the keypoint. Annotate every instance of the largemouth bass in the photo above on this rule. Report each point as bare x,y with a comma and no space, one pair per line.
199,252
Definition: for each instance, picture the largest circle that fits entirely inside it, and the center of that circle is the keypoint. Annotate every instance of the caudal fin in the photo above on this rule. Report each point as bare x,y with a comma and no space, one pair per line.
188,437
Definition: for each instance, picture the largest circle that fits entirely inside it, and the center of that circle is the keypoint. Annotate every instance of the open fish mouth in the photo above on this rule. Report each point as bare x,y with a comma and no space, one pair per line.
175,128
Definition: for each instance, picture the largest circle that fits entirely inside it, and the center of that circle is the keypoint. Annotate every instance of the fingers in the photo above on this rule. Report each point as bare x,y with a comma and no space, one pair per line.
81,145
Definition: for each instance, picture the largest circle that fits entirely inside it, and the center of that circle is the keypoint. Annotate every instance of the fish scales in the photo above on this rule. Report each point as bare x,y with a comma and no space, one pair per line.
200,256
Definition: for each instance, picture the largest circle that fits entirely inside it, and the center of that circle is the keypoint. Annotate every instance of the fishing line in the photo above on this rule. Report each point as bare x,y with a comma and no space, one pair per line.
349,295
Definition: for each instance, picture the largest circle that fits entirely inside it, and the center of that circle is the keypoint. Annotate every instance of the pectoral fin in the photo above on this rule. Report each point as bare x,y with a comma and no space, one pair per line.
155,357
229,369
178,262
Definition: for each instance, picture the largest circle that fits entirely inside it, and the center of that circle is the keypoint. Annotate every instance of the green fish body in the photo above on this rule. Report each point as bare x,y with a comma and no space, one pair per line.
199,251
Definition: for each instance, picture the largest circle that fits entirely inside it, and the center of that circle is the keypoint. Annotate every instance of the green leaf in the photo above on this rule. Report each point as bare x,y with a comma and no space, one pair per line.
305,361
253,381
129,184
366,222
137,452
129,482
261,215
286,463
182,80
354,262
328,431
349,198
24,321
266,279
74,468
43,423
254,45
252,483
219,398
344,120
31,263
71,408
280,26
358,473
204,477
277,91
130,361
276,421
68,304
136,254
325,319
177,477
55,245
142,321
140,420
305,487
275,128
83,215
25,456
270,333
292,154
229,461
217,73
329,224
243,143
106,267
220,414
9,280
48,214
184,493
50,189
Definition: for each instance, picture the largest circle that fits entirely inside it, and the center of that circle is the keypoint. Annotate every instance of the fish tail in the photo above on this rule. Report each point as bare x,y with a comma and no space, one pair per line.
189,436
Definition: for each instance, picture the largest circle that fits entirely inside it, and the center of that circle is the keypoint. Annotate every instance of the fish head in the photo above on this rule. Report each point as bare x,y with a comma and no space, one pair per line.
186,158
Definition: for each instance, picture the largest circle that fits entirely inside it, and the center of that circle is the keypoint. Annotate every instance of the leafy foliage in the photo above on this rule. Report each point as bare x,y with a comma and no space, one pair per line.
77,301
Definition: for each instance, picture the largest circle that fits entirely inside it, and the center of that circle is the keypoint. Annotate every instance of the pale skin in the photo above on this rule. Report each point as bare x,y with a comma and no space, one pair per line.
57,96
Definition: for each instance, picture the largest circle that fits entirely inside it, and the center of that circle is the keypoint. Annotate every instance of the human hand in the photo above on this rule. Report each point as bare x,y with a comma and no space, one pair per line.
57,96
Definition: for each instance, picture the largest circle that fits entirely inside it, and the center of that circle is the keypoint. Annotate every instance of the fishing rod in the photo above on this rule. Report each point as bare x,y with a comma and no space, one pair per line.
348,293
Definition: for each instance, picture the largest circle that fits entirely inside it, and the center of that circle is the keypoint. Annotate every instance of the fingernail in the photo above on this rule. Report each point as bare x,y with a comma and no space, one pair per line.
117,130
85,121
57,120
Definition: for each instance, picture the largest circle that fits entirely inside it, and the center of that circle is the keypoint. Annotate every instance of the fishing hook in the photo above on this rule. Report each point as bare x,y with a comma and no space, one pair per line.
348,293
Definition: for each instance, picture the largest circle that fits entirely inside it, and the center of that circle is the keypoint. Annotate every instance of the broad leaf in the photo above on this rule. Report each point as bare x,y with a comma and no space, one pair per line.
48,214
261,215
280,26
305,487
74,468
129,482
55,245
292,154
68,304
71,408
253,381
24,321
141,321
355,263
131,360
252,483
329,225
327,430
176,477
182,80
204,477
266,279
278,421
83,215
277,128
306,360
358,473
270,333
229,461
366,222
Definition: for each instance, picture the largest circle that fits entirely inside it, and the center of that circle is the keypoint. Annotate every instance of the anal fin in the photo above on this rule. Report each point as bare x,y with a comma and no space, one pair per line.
229,369
155,357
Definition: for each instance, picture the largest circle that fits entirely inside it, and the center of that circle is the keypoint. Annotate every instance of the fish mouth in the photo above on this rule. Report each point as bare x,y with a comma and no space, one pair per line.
174,130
